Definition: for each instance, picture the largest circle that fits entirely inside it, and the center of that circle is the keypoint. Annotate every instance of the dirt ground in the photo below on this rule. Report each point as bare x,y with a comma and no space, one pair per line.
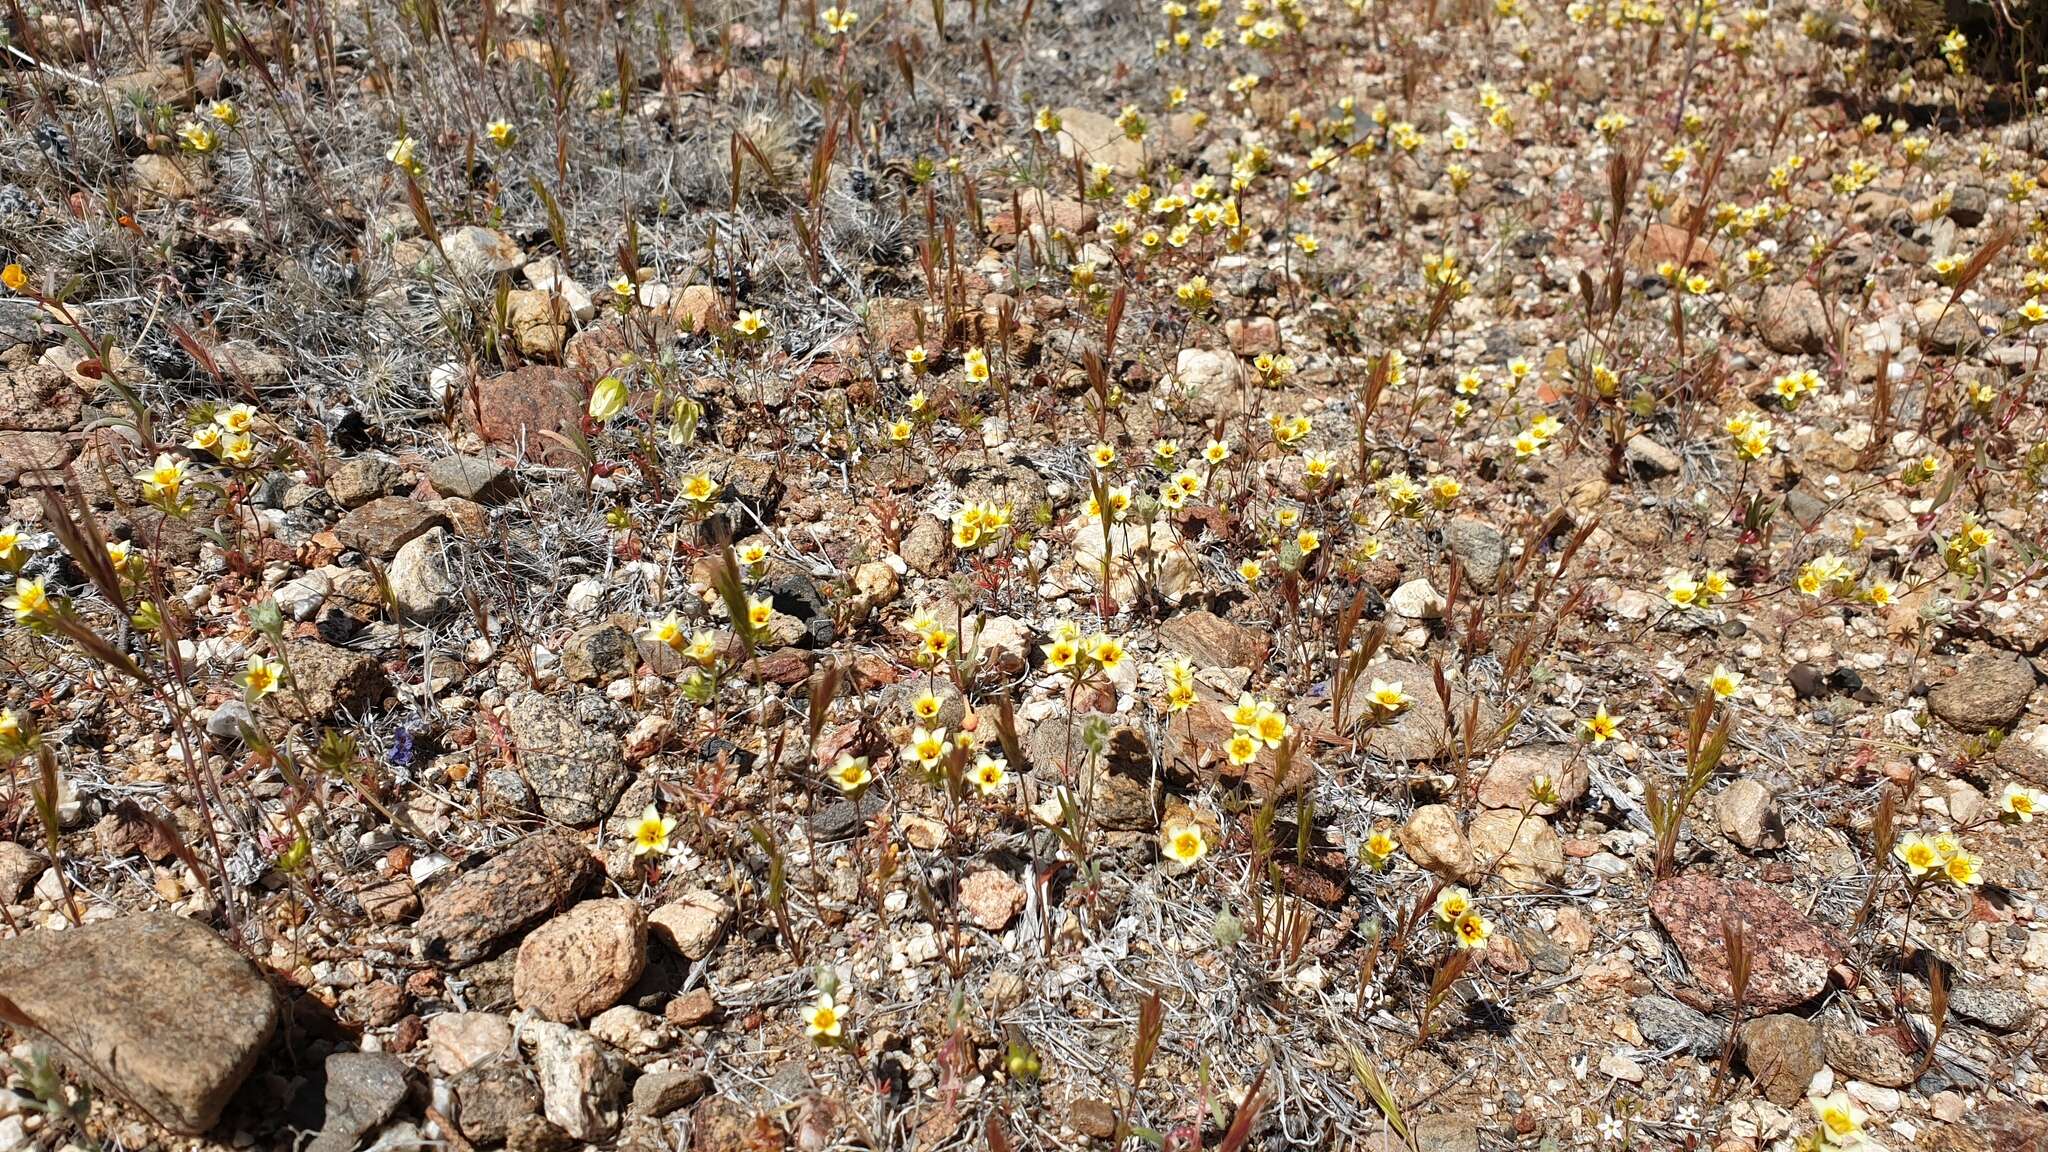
1435,576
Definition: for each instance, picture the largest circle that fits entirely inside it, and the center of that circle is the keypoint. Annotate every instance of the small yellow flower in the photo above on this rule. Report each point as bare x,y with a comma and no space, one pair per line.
1599,728
1106,651
1388,696
699,488
989,775
608,399
1250,571
759,611
501,133
1472,930
1184,844
260,678
650,832
1216,452
1963,870
30,600
851,773
1682,591
824,1019
1841,1121
1242,748
750,324
1102,456
668,631
839,21
703,649
197,137
403,155
1918,854
1452,903
1061,654
164,479
14,277
1378,849
926,748
1724,683
2021,802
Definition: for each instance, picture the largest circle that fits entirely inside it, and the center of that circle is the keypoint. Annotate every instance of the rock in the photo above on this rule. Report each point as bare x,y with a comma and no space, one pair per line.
1620,1067
423,582
1748,815
580,1084
300,597
797,596
690,1009
924,548
1790,957
1210,641
226,721
1999,1009
361,479
1507,782
577,770
1661,244
1946,326
1791,318
598,654
1419,732
518,888
1096,139
494,1098
1666,1023
156,1003
691,926
1522,849
390,900
1416,600
1480,547
170,178
991,899
458,1041
513,409
1650,457
1783,1053
384,525
1446,1134
538,322
473,478
1872,1057
1432,839
583,961
660,1093
729,1126
877,581
1808,682
364,1089
330,680
841,818
1988,690
1211,380
629,1030
697,308
19,867
477,252
1095,1119
1119,785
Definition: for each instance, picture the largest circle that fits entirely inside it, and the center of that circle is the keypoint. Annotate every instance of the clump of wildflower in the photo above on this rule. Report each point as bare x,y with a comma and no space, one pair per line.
978,522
